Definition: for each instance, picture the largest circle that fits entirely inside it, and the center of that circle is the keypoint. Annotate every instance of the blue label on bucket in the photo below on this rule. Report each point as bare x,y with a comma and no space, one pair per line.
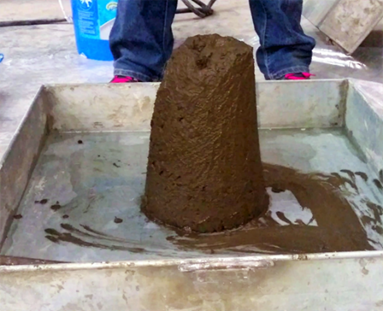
107,10
107,14
87,19
95,18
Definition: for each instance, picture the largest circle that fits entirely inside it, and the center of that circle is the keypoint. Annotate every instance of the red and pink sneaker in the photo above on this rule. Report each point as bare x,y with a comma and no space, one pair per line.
122,79
298,76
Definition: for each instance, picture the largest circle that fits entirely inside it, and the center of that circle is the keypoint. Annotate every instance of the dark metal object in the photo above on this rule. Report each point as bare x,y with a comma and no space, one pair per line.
203,11
32,22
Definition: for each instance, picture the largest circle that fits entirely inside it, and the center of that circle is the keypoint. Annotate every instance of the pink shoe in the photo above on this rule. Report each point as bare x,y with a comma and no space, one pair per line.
298,76
122,79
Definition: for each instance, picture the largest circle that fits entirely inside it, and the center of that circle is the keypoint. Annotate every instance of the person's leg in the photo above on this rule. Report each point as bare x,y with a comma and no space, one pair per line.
284,46
141,40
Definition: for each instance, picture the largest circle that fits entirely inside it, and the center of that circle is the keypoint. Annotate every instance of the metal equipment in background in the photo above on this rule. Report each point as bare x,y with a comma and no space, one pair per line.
204,10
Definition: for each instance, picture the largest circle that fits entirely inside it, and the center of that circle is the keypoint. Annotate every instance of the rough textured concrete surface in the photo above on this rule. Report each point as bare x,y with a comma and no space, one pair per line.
204,169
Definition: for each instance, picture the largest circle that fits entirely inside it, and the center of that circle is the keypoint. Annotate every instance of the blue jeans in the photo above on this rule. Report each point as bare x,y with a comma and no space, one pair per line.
142,40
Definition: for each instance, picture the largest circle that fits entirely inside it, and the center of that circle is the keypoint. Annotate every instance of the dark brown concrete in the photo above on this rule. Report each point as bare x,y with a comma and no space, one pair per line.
204,169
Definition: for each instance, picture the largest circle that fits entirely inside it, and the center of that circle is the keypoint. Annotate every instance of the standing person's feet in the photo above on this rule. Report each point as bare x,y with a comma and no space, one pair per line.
122,79
298,76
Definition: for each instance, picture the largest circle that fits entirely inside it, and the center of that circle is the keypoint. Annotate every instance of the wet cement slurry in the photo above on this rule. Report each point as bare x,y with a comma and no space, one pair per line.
79,237
325,195
204,170
339,228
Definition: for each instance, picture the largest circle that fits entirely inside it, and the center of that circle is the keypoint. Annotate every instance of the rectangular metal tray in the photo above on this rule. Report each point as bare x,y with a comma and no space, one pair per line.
78,163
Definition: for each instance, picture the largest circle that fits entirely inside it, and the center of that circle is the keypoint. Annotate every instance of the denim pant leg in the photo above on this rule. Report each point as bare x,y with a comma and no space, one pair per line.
284,46
141,40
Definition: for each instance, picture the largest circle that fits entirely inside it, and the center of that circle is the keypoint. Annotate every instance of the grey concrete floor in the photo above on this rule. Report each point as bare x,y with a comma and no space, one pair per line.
46,54
18,10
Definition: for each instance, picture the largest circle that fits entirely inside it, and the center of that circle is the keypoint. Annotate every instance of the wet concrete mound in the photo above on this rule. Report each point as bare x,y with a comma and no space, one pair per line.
204,169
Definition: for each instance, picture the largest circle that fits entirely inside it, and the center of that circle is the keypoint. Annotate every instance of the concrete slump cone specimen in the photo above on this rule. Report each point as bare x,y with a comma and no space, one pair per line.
204,169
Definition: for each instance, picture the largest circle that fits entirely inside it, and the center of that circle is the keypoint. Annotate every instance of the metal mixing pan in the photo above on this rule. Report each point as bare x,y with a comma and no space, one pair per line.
70,187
